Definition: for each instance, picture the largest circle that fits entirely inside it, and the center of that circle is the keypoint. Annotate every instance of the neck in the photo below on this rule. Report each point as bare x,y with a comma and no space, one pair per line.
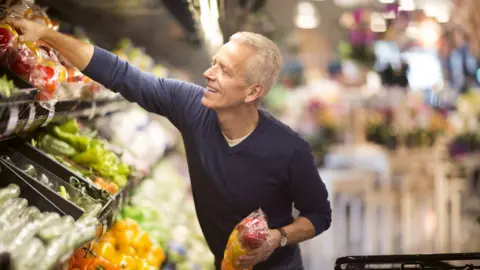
239,122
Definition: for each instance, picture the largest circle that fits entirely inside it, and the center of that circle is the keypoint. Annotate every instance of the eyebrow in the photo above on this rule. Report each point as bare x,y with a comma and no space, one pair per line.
223,65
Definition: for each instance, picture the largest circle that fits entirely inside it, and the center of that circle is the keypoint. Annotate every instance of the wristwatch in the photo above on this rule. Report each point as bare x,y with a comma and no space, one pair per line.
283,239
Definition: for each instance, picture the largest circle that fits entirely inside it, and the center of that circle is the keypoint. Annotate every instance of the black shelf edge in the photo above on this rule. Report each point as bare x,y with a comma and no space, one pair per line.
434,260
26,116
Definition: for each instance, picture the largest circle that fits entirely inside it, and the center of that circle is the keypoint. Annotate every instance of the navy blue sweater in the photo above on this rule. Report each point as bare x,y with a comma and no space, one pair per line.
273,168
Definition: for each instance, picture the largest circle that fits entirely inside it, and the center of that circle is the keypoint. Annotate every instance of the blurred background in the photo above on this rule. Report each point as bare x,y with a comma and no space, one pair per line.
386,91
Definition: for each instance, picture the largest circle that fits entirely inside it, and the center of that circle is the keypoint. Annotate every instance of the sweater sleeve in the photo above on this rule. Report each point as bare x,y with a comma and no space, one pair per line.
308,191
179,101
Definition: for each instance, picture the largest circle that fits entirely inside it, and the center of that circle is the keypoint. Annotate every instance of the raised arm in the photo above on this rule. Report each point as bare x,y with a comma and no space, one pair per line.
77,52
178,101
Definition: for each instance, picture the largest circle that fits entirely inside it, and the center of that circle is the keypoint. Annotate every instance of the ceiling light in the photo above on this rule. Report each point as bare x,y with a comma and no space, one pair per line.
406,5
307,17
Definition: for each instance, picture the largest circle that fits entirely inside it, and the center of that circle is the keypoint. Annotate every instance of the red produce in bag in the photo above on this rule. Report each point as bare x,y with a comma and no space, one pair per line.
8,37
22,58
249,234
45,77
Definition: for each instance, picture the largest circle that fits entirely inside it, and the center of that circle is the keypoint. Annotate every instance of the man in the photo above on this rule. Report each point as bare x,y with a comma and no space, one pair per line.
240,158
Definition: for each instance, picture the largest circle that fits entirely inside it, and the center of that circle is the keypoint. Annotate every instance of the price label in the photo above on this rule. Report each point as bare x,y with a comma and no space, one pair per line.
12,121
51,113
31,117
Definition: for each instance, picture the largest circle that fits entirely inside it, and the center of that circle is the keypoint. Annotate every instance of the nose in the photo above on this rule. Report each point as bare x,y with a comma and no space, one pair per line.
208,74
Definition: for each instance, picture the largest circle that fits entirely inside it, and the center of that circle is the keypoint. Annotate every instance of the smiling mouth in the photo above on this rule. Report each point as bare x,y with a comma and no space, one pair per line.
212,90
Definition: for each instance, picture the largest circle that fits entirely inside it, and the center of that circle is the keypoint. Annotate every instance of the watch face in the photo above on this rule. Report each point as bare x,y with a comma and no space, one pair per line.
283,242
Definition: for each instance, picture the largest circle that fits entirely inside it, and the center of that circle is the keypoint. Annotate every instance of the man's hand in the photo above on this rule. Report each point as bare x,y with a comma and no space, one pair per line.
262,253
76,52
27,30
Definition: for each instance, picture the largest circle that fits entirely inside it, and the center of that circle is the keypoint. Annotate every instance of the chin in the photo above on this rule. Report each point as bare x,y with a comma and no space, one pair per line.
207,103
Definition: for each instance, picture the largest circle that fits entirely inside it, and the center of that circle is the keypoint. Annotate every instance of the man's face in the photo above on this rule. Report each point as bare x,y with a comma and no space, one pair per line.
227,86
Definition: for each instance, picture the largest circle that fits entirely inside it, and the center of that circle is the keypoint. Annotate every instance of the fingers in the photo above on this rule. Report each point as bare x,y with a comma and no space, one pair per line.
253,257
15,21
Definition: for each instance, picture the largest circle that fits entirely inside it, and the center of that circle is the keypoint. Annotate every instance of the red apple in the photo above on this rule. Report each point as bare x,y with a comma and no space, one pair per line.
8,37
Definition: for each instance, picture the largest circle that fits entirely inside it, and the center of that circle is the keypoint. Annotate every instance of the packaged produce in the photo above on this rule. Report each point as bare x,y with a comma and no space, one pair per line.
249,234
8,37
79,150
53,182
22,59
45,77
124,246
38,240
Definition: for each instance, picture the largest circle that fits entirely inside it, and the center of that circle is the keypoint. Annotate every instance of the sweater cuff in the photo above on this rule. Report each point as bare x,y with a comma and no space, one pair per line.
319,221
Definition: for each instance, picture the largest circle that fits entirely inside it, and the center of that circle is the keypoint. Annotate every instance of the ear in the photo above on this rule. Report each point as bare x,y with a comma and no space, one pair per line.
255,92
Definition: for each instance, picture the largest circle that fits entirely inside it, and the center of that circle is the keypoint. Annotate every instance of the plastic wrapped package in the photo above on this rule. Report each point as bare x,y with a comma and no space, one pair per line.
22,58
8,37
249,234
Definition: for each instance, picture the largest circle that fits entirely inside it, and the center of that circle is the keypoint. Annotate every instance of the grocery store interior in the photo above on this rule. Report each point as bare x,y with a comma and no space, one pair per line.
387,92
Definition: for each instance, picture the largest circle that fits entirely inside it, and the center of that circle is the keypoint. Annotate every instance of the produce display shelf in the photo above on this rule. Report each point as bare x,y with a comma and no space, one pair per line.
24,116
110,202
420,261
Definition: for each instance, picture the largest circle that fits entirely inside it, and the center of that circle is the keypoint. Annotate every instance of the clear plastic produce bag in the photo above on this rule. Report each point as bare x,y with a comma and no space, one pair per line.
249,234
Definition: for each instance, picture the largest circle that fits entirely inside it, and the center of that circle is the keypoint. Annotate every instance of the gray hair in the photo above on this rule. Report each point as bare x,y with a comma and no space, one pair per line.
265,66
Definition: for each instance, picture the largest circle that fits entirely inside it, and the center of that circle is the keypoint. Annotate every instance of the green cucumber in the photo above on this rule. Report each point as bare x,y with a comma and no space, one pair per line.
84,231
9,233
10,192
28,255
57,229
7,204
55,250
15,209
31,229
32,213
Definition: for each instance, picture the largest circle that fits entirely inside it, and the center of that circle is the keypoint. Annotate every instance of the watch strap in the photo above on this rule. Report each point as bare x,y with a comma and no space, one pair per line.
283,239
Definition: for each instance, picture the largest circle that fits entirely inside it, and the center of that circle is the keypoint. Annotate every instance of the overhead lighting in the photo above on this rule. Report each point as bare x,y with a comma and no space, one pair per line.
306,17
406,5
441,12
386,1
429,33
430,10
443,17
209,21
